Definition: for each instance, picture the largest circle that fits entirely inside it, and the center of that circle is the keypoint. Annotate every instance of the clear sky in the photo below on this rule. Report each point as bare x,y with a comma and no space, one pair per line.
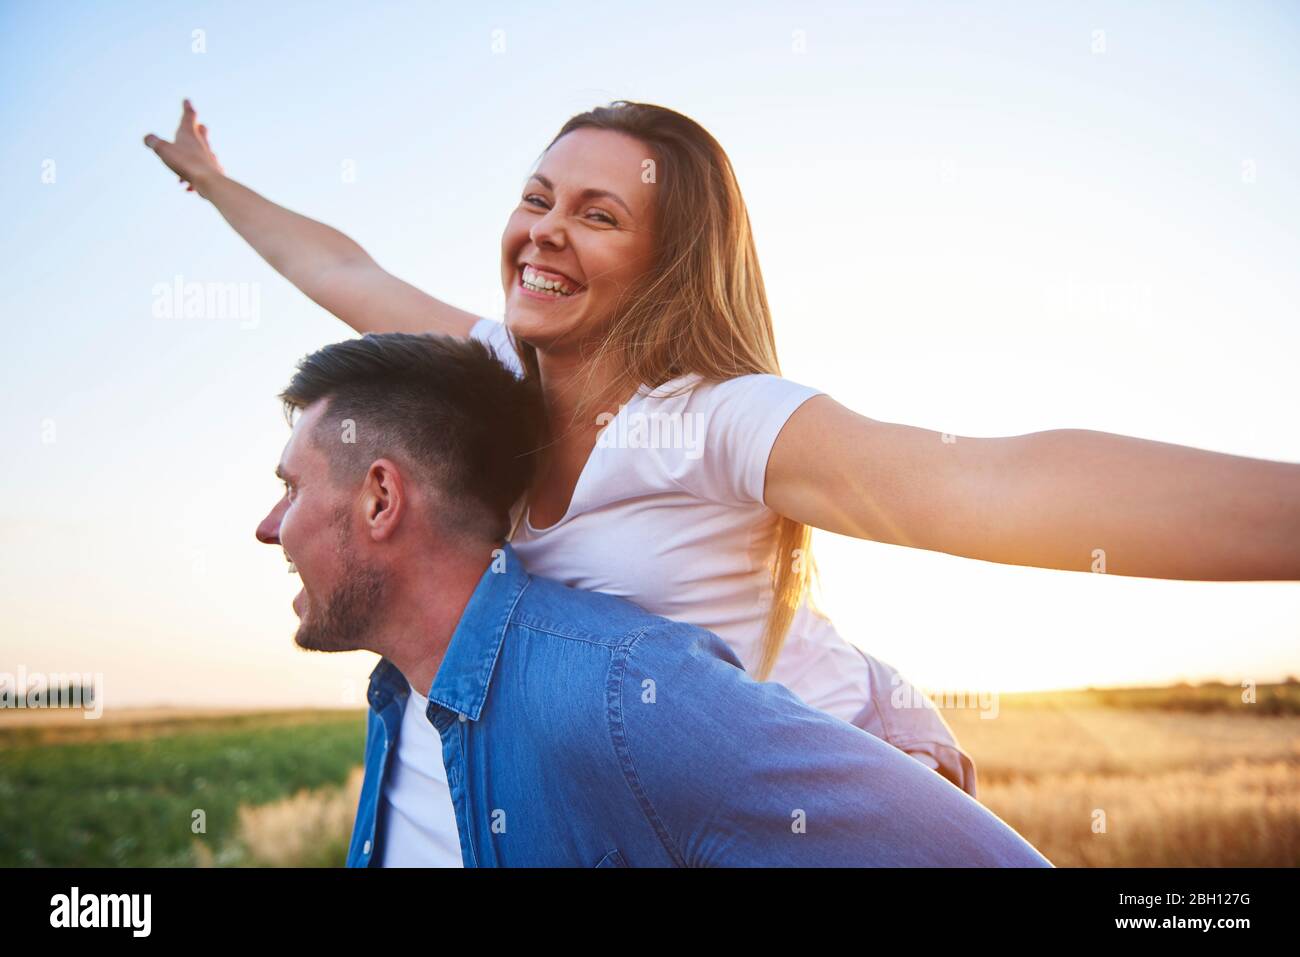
986,219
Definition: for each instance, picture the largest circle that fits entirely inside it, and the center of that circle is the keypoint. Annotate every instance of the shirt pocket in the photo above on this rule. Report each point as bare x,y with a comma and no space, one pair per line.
612,859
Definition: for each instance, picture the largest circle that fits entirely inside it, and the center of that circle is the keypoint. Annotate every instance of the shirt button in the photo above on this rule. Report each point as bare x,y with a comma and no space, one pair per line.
463,718
366,849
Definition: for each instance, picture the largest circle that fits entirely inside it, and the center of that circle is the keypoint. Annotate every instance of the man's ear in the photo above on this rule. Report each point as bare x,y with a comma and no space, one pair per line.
383,499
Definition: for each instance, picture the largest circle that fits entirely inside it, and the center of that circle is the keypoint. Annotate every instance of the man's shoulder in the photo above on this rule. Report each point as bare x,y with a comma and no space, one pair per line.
635,644
618,622
551,606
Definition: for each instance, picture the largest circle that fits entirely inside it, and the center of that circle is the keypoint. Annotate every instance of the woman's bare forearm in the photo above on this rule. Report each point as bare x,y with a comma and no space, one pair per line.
1097,501
300,249
330,268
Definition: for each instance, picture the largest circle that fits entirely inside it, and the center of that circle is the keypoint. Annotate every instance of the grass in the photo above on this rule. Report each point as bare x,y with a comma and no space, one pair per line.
133,802
309,829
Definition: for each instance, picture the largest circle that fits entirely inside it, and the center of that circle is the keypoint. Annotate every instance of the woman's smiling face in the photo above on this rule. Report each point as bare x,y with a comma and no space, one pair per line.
583,220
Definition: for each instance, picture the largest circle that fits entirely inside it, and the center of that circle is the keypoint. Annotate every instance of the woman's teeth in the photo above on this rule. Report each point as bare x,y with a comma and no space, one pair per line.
537,283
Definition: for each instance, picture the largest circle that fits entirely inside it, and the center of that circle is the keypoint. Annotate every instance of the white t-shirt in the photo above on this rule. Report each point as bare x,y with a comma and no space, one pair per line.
668,513
419,820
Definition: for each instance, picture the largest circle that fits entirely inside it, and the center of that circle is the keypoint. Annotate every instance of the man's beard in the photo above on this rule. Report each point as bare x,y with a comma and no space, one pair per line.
351,611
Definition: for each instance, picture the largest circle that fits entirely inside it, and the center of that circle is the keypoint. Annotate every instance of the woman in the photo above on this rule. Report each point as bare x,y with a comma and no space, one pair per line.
633,293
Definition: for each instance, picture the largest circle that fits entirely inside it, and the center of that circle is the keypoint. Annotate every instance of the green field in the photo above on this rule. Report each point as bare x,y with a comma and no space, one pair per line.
130,803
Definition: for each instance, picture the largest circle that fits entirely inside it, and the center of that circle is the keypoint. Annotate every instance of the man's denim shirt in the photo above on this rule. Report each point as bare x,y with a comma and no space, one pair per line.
580,730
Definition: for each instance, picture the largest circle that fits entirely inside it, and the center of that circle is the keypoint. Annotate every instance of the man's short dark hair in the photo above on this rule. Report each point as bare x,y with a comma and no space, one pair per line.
441,405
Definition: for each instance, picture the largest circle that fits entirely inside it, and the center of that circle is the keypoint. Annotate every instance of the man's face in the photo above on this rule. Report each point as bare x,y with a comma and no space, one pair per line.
315,523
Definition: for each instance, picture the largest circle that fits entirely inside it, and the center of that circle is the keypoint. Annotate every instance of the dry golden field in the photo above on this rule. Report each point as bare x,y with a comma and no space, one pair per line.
1093,785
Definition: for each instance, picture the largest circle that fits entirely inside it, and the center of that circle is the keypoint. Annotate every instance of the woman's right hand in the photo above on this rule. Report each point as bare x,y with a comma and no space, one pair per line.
321,261
189,156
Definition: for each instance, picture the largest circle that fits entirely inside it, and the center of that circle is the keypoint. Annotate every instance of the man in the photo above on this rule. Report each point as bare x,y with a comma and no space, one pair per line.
573,728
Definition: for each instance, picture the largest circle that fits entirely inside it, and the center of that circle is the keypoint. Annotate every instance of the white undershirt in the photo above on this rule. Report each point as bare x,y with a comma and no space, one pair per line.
420,820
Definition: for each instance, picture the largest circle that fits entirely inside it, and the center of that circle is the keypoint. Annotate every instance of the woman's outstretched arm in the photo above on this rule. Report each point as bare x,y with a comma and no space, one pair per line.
325,264
1073,499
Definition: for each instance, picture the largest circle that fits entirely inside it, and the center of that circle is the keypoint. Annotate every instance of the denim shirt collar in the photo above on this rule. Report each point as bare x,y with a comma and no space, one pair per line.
465,673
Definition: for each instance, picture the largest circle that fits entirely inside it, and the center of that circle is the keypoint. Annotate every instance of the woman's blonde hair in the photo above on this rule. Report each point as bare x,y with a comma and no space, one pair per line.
701,308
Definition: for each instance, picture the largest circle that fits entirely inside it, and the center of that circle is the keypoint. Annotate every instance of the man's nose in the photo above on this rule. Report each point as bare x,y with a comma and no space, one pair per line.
268,532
